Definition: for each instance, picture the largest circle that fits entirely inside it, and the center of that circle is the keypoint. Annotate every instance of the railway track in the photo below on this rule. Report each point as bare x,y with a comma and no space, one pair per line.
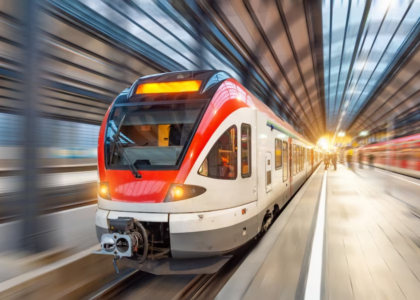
134,284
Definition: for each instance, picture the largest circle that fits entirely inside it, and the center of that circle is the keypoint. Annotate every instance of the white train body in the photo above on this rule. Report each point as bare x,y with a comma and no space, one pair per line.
272,163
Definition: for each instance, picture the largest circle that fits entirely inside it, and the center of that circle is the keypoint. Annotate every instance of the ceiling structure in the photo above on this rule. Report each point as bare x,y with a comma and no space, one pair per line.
278,37
364,42
321,65
344,65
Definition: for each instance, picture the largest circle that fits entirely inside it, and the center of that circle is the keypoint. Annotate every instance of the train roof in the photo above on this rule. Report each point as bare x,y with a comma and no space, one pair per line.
210,79
181,75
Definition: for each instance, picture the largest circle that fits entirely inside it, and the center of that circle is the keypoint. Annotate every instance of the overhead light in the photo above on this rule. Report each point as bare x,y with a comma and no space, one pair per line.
323,143
341,134
364,133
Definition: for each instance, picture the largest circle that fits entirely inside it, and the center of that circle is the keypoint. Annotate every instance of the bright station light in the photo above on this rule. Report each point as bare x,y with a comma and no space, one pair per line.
323,143
364,133
341,134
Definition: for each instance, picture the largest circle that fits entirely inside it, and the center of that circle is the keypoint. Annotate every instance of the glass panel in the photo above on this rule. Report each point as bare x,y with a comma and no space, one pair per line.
278,159
303,157
388,27
294,161
300,158
151,135
246,150
285,161
268,177
221,162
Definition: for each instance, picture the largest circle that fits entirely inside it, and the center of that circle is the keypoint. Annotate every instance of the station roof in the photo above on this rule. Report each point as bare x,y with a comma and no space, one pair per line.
321,65
362,43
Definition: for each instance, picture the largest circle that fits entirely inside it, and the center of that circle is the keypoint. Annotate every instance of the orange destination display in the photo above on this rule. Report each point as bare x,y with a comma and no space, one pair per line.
169,87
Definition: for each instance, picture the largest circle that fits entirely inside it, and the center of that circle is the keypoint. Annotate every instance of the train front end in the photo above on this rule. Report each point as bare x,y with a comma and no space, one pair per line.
149,141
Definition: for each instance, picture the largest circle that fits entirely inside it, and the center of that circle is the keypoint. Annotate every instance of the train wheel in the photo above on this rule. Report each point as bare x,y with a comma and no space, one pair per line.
276,213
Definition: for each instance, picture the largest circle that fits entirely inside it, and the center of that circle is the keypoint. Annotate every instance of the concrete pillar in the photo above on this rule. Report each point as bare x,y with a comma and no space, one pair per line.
29,196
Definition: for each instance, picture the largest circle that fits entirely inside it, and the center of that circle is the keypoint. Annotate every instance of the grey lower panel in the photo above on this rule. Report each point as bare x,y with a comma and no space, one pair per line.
100,231
212,242
170,266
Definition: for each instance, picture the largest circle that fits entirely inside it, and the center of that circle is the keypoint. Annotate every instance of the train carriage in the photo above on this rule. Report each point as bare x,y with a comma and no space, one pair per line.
192,165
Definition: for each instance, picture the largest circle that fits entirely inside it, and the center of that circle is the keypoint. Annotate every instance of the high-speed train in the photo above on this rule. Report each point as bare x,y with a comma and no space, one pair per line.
192,165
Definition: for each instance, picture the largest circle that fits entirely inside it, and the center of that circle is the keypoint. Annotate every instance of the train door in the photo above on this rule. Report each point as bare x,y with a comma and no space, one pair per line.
248,157
268,173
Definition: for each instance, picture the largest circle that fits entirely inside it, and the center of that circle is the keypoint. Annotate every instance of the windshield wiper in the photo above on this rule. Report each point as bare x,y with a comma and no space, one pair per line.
115,138
117,142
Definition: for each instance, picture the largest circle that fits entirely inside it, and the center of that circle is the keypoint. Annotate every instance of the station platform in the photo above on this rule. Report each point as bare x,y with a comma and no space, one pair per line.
345,235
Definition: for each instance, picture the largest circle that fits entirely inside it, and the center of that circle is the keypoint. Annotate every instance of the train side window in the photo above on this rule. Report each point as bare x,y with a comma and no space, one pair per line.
303,157
294,160
246,150
285,161
299,159
222,160
278,158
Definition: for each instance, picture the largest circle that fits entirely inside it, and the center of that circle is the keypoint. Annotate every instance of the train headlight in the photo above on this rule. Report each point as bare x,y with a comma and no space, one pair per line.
103,190
177,192
183,191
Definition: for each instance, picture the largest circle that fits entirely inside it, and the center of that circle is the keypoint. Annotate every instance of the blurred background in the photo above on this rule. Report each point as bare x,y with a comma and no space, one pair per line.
343,76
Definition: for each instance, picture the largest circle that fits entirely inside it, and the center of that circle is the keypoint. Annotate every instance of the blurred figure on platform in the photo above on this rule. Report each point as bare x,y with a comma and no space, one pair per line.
349,158
334,161
326,161
360,159
371,159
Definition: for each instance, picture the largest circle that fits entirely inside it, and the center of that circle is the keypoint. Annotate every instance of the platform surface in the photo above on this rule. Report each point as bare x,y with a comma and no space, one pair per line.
370,241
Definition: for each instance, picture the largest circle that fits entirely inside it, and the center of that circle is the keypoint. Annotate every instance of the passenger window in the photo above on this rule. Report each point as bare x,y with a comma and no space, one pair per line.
299,158
302,159
278,159
246,150
221,162
285,161
294,161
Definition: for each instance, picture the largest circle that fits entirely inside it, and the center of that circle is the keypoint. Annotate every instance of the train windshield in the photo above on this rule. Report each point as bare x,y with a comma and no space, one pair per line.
151,135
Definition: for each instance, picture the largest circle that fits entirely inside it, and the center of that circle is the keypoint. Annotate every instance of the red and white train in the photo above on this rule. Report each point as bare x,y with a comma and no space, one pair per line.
401,155
192,165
